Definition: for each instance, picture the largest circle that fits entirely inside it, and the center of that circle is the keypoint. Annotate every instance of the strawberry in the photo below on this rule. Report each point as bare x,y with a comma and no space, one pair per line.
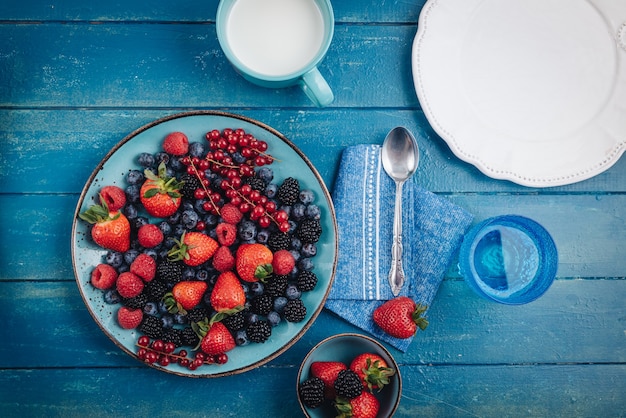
149,236
193,248
363,406
184,296
176,143
231,214
144,266
226,233
160,194
103,276
373,370
254,262
129,285
129,318
114,197
327,371
111,230
217,340
223,259
283,262
400,317
227,294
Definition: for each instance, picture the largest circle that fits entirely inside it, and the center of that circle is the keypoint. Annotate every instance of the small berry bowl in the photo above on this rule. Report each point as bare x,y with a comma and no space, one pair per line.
346,348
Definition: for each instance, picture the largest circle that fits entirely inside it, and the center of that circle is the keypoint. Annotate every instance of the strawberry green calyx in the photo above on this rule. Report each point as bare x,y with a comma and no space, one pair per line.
180,250
172,305
377,376
162,183
418,317
263,271
98,213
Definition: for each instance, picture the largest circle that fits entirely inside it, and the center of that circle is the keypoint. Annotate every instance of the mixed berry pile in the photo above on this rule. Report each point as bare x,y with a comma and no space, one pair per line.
206,250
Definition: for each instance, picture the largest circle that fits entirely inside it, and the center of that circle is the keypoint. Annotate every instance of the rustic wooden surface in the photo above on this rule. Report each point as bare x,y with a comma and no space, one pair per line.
78,77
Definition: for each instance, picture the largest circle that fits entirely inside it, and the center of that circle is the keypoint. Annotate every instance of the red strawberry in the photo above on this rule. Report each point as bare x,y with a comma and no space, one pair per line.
223,259
231,214
254,262
114,197
226,233
283,262
227,294
217,340
129,285
129,318
144,266
149,236
363,406
111,230
327,371
103,276
160,194
184,296
373,370
176,143
193,248
400,317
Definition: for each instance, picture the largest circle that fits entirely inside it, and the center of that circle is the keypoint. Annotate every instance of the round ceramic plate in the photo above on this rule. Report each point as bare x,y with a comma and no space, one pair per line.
290,162
530,91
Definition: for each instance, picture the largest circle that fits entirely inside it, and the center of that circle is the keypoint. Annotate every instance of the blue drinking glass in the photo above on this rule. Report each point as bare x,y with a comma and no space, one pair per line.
509,259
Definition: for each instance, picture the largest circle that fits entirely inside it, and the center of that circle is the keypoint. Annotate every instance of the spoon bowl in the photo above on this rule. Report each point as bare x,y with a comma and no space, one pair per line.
400,158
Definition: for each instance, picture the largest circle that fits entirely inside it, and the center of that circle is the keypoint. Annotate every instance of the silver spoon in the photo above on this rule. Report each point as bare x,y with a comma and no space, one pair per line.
400,156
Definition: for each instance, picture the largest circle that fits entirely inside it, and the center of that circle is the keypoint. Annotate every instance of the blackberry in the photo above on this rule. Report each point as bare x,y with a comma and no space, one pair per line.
256,183
276,286
188,337
289,191
152,327
278,241
294,311
197,314
306,280
348,384
263,304
155,290
173,335
137,302
235,322
311,392
169,271
309,230
191,183
259,331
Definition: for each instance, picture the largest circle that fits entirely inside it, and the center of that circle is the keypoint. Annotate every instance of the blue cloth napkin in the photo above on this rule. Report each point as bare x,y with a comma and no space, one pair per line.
433,229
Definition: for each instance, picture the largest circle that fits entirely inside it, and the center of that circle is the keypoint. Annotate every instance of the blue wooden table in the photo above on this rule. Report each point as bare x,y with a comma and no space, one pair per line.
76,77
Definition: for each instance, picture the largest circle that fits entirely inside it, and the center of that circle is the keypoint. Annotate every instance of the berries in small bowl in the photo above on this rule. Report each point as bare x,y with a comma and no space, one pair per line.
349,374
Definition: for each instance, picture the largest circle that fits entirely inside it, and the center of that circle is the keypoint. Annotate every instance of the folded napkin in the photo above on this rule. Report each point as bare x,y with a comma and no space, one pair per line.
433,229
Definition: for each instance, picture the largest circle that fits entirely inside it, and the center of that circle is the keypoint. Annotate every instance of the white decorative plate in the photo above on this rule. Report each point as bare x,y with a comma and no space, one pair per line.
532,91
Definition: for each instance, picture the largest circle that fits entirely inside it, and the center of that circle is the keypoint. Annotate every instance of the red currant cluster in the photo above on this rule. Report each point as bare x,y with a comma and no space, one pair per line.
164,354
219,160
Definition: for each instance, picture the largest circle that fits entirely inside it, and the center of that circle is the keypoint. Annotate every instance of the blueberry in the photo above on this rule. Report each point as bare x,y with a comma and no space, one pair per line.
139,221
135,177
309,250
292,292
167,321
295,254
132,193
273,318
292,226
286,209
238,158
313,212
210,220
262,236
266,174
152,252
161,157
165,228
196,149
305,264
296,244
151,308
176,164
186,205
241,338
169,242
247,230
112,297
198,206
271,190
146,160
123,268
256,288
306,196
280,303
179,229
174,218
180,319
130,211
298,211
251,317
202,275
162,307
189,219
114,259
130,255
188,274
163,253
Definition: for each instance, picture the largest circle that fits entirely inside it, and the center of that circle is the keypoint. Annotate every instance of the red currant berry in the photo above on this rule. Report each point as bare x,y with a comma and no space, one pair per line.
281,216
199,194
265,222
245,207
151,357
186,161
284,227
222,358
200,226
169,348
141,353
182,353
164,361
245,189
270,207
227,131
204,165
261,146
158,345
143,341
236,182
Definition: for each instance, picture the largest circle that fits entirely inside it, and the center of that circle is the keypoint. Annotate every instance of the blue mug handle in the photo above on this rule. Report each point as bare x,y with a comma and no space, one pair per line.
316,88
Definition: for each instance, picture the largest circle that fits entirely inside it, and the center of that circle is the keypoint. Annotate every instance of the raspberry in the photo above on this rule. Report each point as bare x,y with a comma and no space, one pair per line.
176,143
231,214
149,236
129,318
226,233
223,259
114,197
283,262
144,266
103,276
129,285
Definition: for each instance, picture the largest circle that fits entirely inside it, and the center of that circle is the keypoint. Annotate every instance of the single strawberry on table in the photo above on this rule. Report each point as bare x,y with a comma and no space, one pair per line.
193,248
400,317
254,262
328,372
363,406
110,230
160,194
373,370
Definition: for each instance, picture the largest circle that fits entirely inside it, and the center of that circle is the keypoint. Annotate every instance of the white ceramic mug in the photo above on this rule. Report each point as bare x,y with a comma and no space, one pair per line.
278,43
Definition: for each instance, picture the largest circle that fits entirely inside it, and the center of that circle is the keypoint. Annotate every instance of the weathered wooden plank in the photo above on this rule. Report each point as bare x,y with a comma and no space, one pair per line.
190,11
576,321
464,391
35,143
181,65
